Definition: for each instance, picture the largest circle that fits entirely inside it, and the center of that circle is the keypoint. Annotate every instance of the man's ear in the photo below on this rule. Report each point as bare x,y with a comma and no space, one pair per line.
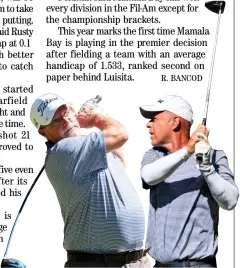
176,124
41,131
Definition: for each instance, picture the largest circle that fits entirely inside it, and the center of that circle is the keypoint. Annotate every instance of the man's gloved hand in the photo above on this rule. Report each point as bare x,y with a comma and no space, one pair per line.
202,154
92,105
199,134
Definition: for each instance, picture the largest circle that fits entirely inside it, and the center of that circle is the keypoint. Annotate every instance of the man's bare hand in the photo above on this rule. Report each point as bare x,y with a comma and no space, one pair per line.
86,118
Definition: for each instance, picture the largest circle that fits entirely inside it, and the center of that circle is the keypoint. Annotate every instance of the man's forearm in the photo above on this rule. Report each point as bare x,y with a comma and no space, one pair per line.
103,122
115,134
120,154
162,168
225,194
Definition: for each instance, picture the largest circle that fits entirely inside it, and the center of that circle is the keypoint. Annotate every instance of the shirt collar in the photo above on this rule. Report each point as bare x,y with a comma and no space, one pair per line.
49,144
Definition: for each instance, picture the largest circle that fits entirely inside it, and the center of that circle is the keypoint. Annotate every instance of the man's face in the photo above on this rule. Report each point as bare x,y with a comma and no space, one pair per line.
160,128
63,125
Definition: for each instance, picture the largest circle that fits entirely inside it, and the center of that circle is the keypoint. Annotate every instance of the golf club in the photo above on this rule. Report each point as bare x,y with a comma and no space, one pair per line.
97,99
216,7
10,262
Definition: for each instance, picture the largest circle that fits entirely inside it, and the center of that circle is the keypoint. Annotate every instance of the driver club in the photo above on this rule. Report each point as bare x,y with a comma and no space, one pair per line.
218,8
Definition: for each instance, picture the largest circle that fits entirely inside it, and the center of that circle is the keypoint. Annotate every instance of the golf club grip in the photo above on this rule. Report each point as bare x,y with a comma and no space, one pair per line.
199,157
98,98
92,101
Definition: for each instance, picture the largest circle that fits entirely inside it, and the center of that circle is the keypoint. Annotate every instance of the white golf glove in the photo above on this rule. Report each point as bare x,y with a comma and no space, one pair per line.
92,105
202,154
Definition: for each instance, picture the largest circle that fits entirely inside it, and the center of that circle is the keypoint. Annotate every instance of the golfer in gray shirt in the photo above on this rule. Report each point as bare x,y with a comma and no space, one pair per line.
185,191
103,216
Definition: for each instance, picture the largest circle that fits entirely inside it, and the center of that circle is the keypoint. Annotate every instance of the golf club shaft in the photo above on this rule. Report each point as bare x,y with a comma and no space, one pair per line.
20,210
204,122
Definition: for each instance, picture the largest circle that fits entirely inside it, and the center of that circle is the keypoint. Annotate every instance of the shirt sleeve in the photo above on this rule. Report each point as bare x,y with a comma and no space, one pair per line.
92,154
149,157
83,155
220,163
220,181
160,169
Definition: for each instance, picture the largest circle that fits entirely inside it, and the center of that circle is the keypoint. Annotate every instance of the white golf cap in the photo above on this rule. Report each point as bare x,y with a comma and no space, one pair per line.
44,108
171,103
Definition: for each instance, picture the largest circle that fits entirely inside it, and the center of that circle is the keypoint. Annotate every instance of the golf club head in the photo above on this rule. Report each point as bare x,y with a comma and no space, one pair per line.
215,6
10,262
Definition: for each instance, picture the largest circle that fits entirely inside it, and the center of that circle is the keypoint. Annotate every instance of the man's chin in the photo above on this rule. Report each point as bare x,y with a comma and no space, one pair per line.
153,142
73,132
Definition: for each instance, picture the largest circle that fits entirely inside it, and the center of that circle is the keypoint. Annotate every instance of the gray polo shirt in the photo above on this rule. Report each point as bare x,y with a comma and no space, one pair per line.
100,207
183,216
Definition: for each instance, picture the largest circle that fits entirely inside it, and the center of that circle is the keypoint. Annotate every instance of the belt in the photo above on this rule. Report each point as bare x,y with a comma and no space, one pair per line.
188,263
121,257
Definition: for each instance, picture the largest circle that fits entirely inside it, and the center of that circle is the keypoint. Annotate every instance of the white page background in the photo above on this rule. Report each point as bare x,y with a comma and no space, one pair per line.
38,237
